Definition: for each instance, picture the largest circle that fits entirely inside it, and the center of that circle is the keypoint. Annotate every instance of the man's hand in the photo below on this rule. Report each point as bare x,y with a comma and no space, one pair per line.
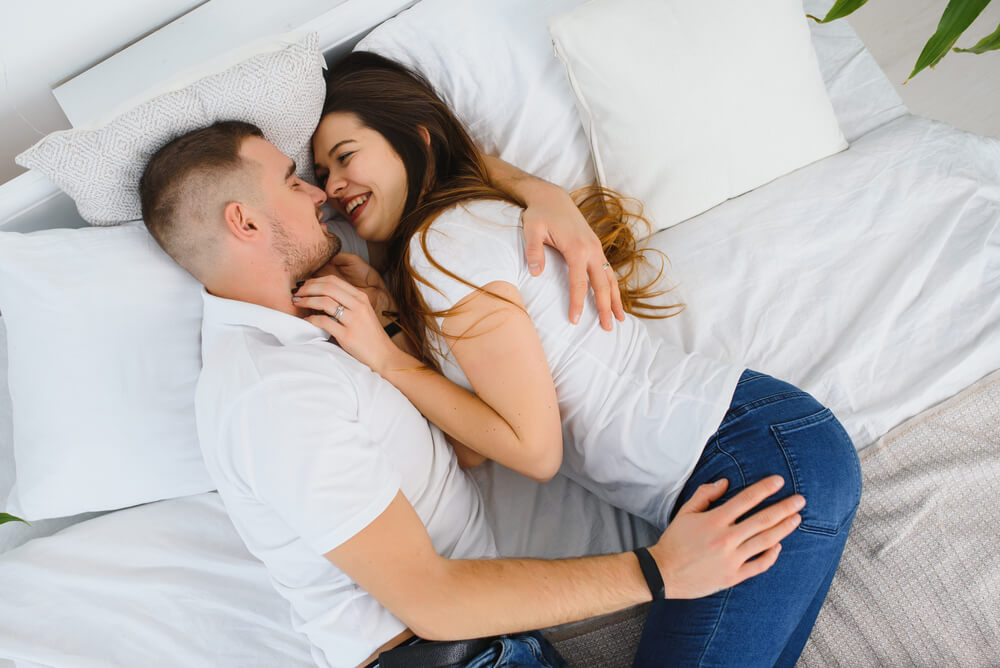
554,220
363,276
704,551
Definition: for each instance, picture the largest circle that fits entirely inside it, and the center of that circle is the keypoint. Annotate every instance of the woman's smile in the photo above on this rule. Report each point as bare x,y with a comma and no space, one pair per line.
355,205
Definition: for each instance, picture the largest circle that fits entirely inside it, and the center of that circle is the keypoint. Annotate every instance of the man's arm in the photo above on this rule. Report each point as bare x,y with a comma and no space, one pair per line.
704,550
552,218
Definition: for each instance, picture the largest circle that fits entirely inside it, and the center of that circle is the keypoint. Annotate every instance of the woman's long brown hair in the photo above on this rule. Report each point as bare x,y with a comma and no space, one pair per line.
396,103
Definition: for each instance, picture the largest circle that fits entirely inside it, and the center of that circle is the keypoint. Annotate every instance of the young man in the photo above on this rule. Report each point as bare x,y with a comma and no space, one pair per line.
353,501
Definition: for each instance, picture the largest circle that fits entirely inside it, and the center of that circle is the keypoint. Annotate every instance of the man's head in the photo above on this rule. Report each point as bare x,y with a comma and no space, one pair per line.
222,200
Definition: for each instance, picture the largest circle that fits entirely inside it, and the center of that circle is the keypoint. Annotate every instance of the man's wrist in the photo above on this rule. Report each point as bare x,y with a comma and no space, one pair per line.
650,573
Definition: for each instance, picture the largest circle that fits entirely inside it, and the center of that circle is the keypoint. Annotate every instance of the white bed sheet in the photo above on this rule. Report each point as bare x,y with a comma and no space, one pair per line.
870,278
908,222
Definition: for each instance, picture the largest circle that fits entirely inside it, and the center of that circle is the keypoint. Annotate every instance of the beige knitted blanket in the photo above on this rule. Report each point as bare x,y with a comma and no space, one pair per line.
919,583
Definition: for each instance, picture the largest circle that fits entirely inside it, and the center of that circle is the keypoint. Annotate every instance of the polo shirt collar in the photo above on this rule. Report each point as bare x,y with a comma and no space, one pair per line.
288,329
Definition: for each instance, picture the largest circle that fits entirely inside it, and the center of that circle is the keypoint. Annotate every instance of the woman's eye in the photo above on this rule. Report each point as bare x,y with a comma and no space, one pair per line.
343,156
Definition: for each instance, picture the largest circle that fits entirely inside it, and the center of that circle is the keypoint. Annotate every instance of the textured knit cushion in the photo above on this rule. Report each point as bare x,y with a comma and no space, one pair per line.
279,88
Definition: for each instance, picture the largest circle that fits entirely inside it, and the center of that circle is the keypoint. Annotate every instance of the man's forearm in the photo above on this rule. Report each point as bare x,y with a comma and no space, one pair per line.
490,597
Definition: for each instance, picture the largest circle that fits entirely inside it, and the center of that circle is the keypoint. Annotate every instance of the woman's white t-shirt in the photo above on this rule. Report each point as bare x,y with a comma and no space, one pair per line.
636,411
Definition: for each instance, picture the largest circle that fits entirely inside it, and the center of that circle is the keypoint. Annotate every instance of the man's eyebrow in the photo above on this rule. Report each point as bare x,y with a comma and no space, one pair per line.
291,171
338,145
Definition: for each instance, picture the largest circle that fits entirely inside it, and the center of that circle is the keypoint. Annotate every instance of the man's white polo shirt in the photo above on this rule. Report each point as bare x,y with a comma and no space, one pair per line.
307,447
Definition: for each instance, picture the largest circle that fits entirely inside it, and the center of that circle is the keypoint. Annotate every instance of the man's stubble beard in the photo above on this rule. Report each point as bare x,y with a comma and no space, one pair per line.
302,263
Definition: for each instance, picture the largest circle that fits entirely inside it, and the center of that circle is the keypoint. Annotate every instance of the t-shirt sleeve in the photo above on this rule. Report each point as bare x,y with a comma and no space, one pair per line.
308,457
480,242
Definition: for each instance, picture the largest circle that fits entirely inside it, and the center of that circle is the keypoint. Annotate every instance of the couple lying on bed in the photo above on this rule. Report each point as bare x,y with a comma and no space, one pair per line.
360,508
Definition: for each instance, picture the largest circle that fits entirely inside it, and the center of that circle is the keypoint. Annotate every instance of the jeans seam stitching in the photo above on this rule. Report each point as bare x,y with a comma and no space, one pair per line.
715,628
737,413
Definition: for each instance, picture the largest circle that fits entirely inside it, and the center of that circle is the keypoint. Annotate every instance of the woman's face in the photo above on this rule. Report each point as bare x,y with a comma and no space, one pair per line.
363,176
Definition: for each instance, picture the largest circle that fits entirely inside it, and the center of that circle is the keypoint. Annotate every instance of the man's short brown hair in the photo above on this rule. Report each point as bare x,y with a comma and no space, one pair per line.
187,185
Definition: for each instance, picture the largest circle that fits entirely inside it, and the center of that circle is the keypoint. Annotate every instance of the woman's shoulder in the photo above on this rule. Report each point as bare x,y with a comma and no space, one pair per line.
474,224
481,213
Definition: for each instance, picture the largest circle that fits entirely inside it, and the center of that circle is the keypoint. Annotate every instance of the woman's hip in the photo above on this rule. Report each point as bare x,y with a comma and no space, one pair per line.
774,428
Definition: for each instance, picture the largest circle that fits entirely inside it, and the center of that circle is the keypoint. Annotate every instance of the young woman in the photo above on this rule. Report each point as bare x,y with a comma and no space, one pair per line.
638,422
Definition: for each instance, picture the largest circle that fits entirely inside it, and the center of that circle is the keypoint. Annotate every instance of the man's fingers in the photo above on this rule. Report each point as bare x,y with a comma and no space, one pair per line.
704,496
770,516
765,540
749,498
758,565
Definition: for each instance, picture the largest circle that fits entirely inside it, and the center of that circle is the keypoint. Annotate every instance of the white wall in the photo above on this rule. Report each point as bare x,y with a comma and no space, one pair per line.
962,90
43,42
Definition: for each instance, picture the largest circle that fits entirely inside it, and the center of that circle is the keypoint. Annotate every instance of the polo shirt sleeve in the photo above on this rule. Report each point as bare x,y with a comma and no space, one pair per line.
480,242
308,457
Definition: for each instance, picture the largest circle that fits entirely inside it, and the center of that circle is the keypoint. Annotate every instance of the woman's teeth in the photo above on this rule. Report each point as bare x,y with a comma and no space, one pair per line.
355,202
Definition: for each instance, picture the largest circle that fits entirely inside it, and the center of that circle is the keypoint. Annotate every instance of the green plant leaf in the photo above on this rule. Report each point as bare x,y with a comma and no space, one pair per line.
988,43
4,518
958,15
840,9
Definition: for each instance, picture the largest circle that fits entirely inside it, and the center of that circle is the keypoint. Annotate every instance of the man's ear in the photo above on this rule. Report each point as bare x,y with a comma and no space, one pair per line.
239,221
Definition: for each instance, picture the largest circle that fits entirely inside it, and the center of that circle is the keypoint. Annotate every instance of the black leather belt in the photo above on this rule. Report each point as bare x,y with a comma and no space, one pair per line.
424,654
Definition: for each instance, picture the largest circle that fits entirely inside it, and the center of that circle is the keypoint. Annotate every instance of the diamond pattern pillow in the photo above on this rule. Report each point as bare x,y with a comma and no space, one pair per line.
280,88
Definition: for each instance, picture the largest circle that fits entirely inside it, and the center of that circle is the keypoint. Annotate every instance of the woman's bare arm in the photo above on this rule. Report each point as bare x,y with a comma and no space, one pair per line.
513,415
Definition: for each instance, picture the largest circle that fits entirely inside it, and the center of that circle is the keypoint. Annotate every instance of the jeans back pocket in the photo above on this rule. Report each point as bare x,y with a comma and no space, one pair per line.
825,470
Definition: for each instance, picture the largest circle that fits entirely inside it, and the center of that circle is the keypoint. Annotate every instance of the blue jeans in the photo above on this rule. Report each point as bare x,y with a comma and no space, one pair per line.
522,650
771,428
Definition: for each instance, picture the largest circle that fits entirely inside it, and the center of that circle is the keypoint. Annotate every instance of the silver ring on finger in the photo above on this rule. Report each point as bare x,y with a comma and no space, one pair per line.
606,265
339,312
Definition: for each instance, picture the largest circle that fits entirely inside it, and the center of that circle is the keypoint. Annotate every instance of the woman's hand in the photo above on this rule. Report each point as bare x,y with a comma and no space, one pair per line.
356,328
352,269
553,219
706,550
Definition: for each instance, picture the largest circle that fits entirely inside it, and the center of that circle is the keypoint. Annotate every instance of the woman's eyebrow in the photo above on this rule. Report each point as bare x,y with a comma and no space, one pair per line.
338,145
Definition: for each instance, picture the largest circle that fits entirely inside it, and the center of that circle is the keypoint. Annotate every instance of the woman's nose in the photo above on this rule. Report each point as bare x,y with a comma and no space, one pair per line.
334,186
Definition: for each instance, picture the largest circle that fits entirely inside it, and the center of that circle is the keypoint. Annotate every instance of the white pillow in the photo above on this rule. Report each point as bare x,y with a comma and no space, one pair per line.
103,340
687,103
280,88
494,67
164,584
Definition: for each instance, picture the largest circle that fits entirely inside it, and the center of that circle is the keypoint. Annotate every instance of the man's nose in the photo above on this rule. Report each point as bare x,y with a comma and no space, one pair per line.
317,195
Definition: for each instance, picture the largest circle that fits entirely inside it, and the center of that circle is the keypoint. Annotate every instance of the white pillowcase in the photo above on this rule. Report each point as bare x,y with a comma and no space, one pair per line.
494,67
164,584
280,88
103,340
687,104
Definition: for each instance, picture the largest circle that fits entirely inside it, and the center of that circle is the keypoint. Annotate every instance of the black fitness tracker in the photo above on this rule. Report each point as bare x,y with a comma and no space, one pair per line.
651,572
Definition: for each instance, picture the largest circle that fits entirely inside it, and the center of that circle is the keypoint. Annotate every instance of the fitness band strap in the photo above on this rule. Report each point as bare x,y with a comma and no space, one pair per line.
651,572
